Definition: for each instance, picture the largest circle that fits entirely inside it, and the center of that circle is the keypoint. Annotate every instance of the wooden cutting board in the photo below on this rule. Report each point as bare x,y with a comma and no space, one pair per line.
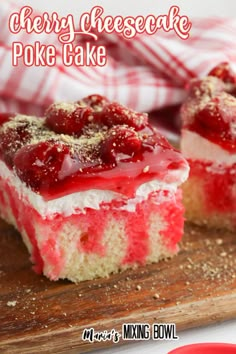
195,288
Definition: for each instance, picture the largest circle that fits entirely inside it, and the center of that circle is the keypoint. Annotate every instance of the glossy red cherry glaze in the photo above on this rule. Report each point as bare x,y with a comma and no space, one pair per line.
115,114
120,140
39,164
210,109
92,144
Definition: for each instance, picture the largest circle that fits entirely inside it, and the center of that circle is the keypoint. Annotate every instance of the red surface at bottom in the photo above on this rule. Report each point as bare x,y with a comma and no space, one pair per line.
206,348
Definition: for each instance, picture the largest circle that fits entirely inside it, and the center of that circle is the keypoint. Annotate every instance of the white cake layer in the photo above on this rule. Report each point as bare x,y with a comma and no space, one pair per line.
196,147
77,202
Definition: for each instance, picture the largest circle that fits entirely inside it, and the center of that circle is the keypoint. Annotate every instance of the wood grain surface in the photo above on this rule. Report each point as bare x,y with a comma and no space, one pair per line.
195,288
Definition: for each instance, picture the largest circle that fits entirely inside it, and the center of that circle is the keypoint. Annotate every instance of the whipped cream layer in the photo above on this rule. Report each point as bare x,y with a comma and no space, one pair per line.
196,147
77,202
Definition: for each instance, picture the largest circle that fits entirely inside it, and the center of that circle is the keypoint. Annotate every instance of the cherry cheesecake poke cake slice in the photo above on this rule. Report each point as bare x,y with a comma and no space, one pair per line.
91,187
209,144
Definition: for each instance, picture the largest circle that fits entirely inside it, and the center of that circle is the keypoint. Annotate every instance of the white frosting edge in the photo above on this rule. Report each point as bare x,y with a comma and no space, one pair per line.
77,202
196,147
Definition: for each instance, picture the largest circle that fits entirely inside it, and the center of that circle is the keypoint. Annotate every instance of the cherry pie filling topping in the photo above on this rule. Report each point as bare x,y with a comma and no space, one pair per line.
211,107
89,144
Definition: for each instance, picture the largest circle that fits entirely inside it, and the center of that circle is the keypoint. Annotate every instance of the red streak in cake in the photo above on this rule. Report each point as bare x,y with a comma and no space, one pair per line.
24,221
12,202
28,225
172,214
218,185
53,255
137,231
90,240
94,223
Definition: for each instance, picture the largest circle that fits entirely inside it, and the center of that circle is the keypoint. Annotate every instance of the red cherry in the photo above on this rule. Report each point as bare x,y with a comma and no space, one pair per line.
224,72
215,116
5,117
68,118
115,114
39,165
120,140
12,139
200,90
156,139
95,101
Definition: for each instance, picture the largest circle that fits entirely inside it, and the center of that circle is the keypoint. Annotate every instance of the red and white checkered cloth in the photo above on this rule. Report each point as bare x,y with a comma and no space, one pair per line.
145,73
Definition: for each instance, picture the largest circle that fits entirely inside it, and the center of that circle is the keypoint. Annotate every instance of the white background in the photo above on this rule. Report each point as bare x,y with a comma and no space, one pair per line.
199,8
225,332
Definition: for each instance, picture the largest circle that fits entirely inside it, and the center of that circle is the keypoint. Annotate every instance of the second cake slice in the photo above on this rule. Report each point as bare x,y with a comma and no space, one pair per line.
209,143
